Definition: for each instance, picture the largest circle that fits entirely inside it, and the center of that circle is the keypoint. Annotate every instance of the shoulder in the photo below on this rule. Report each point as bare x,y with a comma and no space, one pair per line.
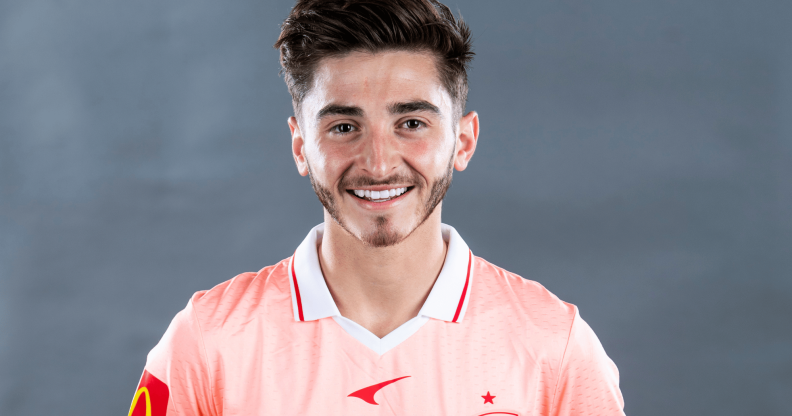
522,309
242,298
549,330
209,313
524,298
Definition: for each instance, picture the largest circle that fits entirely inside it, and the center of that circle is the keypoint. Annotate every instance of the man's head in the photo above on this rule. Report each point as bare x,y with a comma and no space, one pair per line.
377,111
318,29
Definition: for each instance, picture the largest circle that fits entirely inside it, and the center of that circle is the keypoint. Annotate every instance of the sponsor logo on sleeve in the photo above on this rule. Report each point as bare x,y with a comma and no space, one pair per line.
151,398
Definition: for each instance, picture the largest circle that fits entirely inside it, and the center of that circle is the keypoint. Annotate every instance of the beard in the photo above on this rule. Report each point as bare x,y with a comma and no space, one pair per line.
383,234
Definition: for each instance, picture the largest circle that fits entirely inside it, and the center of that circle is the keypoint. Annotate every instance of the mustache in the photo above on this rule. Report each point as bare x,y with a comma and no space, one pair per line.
353,182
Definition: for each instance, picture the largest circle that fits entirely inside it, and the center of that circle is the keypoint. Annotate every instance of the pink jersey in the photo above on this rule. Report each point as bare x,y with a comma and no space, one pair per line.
486,342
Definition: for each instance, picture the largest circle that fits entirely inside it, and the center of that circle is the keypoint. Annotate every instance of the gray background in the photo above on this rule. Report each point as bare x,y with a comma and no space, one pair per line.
635,158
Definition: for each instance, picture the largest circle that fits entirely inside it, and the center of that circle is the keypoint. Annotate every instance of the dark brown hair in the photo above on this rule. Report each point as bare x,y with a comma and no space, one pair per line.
317,29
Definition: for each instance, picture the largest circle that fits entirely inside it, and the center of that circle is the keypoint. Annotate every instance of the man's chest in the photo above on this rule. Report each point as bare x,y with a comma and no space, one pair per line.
433,372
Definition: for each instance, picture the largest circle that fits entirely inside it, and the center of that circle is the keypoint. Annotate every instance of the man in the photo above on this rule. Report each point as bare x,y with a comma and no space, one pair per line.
382,310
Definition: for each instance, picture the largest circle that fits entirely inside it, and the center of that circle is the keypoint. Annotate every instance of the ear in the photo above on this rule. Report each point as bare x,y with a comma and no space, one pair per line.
467,136
298,147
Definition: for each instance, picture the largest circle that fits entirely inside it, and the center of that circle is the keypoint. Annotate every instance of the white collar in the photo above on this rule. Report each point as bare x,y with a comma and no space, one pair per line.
447,301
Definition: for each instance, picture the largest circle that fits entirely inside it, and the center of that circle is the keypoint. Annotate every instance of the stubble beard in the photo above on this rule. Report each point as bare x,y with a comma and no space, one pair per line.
383,234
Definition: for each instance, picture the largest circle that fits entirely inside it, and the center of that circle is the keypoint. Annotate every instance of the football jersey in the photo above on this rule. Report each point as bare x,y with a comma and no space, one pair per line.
485,342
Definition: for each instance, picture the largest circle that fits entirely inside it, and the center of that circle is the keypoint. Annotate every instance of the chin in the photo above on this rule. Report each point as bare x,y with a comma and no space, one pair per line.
382,234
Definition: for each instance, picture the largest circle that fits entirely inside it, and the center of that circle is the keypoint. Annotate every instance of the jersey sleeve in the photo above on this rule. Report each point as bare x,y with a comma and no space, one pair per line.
588,382
176,380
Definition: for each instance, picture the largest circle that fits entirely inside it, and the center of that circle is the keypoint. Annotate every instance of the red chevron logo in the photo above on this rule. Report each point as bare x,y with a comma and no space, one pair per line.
367,393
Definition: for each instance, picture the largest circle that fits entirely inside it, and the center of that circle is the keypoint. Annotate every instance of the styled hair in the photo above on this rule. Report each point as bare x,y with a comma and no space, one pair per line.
317,29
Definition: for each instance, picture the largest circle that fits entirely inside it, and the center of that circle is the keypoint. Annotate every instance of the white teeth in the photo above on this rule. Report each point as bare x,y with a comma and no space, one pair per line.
375,195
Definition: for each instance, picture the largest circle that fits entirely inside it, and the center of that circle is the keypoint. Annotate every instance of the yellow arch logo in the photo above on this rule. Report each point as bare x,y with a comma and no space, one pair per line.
140,391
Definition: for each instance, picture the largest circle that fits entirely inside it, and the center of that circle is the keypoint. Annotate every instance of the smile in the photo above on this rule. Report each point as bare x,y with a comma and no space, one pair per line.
379,196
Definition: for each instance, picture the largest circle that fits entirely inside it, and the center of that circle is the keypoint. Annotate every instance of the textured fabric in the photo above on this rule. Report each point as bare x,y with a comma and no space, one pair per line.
237,349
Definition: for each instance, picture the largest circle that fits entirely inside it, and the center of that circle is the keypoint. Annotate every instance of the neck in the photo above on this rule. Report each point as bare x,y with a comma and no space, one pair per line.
381,288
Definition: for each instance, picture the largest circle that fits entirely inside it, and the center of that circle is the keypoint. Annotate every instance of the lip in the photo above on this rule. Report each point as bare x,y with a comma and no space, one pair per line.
376,206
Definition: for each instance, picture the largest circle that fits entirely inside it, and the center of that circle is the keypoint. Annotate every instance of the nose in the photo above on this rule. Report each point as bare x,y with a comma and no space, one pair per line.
380,156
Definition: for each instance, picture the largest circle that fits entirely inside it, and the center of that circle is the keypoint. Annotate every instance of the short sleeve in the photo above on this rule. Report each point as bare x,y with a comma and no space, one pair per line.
588,381
177,373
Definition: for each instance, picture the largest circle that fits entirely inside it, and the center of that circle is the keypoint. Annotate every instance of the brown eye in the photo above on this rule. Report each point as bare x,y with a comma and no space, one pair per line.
412,124
343,128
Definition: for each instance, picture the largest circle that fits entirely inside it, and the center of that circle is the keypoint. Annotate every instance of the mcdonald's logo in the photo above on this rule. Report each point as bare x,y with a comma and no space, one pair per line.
151,398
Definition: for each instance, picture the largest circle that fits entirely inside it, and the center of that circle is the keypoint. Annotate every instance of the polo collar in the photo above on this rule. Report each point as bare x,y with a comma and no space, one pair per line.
447,301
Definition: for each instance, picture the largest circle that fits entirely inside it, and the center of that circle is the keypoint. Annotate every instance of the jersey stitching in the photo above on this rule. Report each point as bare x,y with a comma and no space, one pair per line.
206,356
561,365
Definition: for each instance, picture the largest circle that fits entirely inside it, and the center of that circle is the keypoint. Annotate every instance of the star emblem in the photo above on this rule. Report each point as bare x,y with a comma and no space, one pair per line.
488,398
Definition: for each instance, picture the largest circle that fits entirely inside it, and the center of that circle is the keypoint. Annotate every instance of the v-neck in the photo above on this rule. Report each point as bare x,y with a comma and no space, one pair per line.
447,301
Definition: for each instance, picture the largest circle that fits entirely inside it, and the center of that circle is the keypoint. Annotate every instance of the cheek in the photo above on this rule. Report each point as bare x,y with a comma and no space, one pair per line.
430,156
329,161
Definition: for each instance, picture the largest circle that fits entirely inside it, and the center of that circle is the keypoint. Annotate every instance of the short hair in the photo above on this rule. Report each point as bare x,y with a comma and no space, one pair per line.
317,29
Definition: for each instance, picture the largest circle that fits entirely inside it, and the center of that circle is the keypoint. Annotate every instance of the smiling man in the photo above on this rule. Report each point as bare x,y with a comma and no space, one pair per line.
382,310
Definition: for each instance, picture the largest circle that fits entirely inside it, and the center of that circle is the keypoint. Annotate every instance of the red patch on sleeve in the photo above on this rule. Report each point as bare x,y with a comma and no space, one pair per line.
151,398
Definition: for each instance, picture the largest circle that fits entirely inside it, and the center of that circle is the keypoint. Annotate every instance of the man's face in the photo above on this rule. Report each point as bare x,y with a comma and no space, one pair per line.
379,140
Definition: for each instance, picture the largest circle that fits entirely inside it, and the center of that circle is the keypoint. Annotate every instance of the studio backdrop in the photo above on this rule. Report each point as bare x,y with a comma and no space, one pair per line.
635,158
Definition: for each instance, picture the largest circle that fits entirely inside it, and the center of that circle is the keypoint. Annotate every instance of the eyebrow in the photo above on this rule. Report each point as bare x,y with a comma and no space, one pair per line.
395,108
339,110
413,106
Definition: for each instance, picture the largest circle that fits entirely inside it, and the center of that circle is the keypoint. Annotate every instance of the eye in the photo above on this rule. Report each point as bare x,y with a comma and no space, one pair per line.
343,128
413,124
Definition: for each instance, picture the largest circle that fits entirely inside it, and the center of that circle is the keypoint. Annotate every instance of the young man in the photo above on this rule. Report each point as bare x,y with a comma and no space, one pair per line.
382,310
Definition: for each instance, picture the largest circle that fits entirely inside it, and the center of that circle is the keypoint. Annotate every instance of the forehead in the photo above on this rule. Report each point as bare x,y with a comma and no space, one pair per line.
376,80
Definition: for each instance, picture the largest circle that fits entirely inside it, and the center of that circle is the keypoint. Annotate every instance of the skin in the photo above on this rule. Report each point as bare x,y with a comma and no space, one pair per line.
381,121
